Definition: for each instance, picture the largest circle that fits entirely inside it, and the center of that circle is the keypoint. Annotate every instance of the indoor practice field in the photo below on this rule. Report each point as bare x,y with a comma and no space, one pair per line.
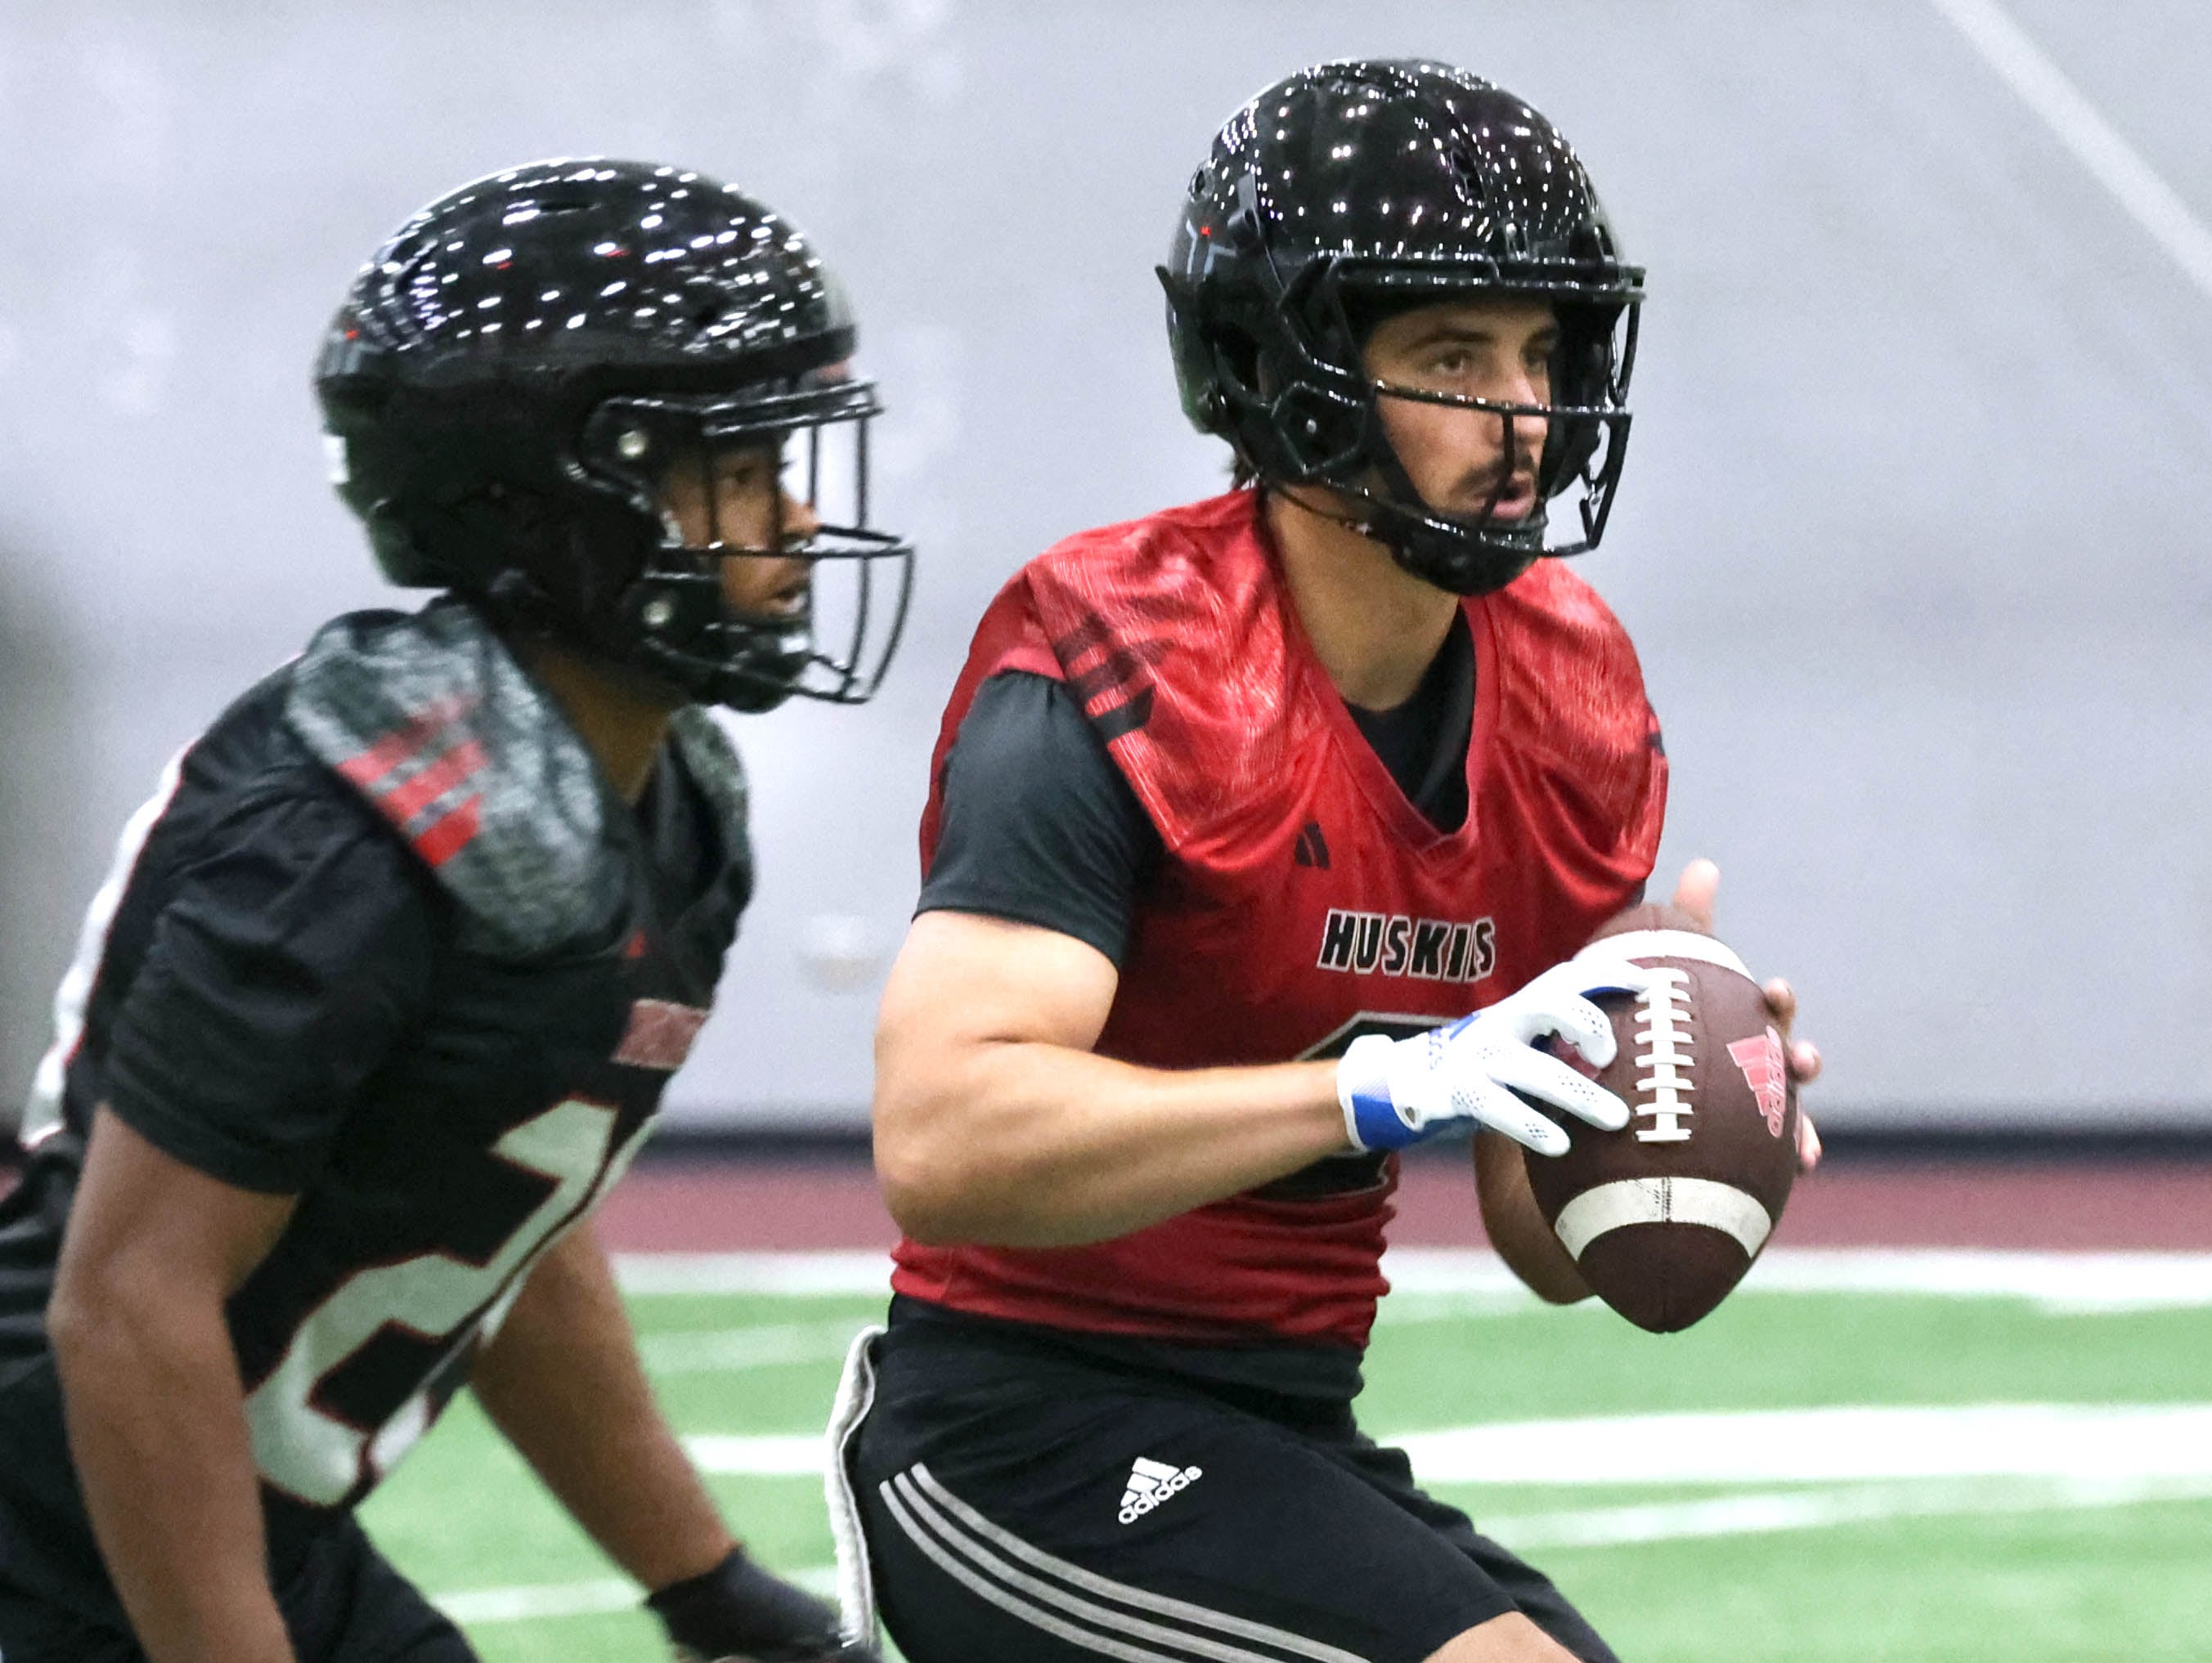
1988,1436
1283,468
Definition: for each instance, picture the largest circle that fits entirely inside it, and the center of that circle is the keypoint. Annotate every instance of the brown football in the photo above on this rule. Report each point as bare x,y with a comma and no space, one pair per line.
1665,1216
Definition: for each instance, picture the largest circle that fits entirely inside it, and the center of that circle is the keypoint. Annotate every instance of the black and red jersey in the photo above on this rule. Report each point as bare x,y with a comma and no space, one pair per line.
1299,897
383,941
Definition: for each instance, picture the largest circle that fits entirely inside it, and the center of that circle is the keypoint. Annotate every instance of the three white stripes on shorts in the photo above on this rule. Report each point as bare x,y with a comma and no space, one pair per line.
1081,1607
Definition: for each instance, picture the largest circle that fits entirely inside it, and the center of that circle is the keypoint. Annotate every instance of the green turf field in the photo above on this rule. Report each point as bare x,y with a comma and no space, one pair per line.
1843,1475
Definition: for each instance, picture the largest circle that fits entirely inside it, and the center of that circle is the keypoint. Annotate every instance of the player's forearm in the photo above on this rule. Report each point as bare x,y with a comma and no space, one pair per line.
1530,1248
1018,1144
157,1429
562,1382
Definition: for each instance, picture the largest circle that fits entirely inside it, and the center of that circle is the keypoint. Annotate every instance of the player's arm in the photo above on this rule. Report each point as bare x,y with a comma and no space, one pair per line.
289,954
156,1408
561,1381
1530,1246
995,1122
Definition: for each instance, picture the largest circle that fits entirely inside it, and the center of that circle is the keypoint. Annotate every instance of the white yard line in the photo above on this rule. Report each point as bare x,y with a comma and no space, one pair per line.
2071,1283
2057,1443
858,1270
2092,1442
759,1456
471,1607
731,1350
1758,1512
1748,1512
1859,1464
2117,165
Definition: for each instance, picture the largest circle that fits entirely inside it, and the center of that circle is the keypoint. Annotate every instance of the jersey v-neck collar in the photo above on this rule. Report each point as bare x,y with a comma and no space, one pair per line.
1377,783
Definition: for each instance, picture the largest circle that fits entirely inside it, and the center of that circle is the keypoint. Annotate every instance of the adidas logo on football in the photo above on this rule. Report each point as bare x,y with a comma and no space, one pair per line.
1151,1483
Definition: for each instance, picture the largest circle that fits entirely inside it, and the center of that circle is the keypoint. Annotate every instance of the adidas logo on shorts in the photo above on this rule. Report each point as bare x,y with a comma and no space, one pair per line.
1151,1483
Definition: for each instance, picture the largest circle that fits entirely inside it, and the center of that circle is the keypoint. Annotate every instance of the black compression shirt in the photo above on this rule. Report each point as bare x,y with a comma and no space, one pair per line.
1040,826
1423,741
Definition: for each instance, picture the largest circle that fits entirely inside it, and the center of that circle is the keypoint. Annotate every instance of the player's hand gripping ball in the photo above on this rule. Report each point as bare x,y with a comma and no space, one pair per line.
1501,1067
1665,1216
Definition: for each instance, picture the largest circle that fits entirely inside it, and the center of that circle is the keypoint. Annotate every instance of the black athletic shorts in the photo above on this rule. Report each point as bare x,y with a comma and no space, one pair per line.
1024,1502
345,1604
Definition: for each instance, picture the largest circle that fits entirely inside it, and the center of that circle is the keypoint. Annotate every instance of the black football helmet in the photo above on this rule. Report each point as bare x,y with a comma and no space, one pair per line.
1355,190
513,375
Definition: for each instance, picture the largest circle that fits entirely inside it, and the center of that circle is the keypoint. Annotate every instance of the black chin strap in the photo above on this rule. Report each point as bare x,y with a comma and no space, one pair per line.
1289,493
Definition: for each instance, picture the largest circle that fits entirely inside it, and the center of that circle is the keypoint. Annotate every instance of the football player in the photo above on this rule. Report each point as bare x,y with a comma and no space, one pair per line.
1232,806
383,993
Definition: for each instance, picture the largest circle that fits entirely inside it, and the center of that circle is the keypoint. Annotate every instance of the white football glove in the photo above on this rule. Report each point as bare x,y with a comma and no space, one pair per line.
1455,1079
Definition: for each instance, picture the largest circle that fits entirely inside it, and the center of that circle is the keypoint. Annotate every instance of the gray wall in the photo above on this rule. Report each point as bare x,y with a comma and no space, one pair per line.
1910,535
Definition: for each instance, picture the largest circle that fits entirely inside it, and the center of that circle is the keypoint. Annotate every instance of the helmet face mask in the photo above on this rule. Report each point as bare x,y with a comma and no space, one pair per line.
1351,192
695,614
513,378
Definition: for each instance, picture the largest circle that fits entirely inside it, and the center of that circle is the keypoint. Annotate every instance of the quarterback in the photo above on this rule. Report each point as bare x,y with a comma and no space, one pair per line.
1262,834
384,989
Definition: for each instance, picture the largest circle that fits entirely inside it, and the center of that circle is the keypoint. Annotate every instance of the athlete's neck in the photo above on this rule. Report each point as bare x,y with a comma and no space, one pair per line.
621,723
1374,626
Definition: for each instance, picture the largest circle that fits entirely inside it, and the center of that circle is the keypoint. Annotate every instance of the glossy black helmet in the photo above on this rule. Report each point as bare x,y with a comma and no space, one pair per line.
512,375
1354,189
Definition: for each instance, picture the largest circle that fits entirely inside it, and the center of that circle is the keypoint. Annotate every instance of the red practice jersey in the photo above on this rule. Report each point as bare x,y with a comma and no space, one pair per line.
1300,898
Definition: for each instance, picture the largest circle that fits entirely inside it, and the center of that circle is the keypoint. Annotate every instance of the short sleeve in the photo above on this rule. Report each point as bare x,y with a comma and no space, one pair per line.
283,968
1038,825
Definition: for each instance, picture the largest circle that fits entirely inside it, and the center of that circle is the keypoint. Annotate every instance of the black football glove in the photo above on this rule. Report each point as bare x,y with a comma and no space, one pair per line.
737,1613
